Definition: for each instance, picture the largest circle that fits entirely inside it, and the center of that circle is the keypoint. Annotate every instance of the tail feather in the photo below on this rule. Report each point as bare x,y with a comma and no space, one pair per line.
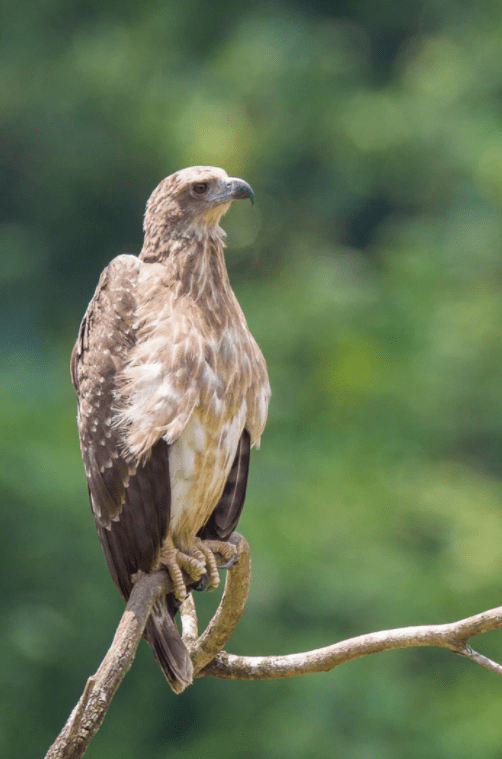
168,648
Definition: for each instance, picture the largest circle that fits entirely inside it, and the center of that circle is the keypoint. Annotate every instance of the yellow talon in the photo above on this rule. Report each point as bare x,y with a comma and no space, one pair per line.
177,562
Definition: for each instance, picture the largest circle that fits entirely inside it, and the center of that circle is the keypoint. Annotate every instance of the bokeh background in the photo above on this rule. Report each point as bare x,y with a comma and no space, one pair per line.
370,271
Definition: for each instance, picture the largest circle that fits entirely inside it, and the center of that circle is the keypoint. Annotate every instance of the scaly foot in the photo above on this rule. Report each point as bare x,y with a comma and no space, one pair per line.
177,561
209,547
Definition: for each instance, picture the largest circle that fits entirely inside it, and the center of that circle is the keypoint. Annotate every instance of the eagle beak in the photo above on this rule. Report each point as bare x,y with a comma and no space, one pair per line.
236,189
241,189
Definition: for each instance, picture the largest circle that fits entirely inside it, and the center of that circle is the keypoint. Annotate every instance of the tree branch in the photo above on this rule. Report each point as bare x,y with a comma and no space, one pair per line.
453,636
189,622
85,719
229,611
210,660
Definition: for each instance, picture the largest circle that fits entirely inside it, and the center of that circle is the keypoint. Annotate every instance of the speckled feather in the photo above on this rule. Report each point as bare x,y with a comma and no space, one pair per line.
173,391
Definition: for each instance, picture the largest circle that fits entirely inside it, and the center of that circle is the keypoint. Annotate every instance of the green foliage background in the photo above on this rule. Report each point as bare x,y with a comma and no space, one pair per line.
370,272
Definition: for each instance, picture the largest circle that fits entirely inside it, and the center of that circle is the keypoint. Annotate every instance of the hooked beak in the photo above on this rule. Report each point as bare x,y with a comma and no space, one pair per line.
235,189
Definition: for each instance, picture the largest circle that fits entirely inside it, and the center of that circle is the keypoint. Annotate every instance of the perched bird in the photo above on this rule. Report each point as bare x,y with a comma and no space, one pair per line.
172,394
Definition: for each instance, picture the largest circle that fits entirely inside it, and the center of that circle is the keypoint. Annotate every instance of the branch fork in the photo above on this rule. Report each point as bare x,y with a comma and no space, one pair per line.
209,659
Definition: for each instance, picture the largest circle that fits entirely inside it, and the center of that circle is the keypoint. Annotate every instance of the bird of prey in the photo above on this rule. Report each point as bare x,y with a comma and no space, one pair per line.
172,394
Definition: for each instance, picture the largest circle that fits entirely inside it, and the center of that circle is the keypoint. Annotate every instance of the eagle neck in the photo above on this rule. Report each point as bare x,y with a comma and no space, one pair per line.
202,273
196,267
162,244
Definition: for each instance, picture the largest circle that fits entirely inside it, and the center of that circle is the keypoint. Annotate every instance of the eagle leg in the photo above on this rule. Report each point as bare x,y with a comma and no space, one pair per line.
209,548
176,561
211,567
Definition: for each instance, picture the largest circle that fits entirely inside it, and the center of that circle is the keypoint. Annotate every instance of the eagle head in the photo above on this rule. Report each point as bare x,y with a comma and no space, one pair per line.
192,201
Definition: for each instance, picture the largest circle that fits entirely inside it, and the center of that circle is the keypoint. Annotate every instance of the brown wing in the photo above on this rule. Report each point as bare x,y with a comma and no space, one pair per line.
132,541
225,516
131,505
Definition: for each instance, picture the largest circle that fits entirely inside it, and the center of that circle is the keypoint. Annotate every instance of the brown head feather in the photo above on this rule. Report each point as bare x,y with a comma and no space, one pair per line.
189,203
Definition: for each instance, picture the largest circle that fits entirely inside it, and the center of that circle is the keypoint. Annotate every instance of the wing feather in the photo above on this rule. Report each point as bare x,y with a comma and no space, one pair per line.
161,381
225,516
131,503
131,494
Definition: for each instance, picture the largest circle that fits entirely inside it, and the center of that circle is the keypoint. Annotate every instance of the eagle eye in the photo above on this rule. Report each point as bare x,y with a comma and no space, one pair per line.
200,188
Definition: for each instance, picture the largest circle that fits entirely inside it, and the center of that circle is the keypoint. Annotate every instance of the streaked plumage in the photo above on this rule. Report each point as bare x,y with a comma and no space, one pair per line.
172,393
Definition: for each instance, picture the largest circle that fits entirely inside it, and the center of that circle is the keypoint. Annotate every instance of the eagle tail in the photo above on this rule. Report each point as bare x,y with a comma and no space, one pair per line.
168,648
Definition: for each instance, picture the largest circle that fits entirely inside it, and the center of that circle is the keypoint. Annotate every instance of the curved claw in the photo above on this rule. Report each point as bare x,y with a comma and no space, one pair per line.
202,584
232,560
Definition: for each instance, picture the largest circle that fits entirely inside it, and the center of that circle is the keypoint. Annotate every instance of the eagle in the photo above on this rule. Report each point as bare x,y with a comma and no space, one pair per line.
173,393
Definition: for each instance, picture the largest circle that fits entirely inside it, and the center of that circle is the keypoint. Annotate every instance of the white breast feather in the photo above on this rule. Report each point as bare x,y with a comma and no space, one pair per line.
202,448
